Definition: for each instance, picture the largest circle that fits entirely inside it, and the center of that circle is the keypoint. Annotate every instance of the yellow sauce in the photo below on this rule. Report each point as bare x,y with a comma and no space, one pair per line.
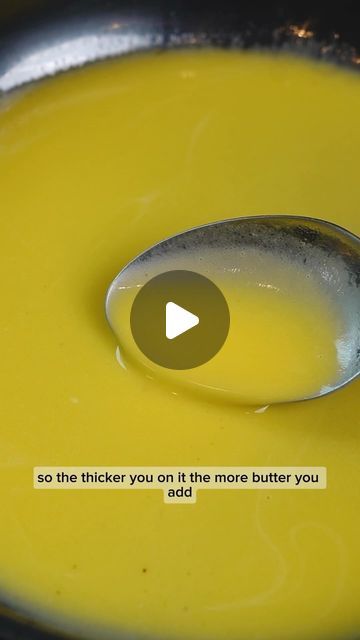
95,166
283,337
281,345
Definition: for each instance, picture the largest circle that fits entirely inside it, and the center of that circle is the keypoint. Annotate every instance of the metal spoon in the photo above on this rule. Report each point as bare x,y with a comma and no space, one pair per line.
320,250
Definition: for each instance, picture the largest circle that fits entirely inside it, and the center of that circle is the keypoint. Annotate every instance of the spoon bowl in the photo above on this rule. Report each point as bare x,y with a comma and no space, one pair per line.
263,248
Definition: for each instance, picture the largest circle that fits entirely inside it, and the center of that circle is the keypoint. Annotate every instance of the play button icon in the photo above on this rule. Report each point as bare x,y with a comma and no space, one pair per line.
179,319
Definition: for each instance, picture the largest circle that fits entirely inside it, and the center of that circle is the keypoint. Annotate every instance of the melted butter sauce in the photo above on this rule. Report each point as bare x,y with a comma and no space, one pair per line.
284,328
95,166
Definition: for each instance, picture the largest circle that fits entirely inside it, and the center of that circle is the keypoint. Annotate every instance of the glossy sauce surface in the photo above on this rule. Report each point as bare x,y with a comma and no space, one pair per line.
95,166
285,335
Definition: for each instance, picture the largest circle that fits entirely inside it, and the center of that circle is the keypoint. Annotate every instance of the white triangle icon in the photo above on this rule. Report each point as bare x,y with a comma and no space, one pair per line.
178,320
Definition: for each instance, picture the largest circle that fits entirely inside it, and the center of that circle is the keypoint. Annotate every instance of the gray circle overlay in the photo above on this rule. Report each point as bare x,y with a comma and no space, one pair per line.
196,294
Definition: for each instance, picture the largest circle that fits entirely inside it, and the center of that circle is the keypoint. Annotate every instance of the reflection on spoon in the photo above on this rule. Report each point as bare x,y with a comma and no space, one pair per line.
292,285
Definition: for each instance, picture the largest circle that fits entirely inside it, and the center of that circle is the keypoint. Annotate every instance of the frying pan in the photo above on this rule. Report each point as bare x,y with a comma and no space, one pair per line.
40,38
